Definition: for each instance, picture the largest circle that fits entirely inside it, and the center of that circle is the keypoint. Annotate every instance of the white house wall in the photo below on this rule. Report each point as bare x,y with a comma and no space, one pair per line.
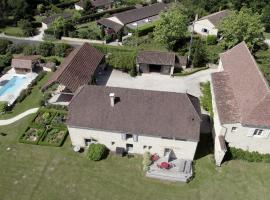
205,24
243,138
182,149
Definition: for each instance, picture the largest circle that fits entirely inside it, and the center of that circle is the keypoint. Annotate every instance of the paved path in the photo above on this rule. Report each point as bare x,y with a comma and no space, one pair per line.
267,41
18,117
155,81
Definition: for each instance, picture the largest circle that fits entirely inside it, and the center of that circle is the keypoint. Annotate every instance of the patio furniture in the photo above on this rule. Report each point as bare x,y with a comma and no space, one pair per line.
165,165
154,157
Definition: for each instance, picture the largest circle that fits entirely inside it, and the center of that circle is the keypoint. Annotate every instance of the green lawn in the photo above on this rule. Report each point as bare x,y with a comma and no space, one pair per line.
13,31
30,172
30,101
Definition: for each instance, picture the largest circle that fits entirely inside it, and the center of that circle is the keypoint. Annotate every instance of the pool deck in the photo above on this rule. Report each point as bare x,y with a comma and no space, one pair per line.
10,98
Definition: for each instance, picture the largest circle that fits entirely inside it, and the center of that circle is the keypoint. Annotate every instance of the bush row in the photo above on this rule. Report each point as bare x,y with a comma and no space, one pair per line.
248,156
91,17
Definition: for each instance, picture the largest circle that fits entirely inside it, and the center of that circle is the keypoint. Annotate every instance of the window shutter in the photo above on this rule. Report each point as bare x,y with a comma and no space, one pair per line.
135,138
266,134
250,132
124,137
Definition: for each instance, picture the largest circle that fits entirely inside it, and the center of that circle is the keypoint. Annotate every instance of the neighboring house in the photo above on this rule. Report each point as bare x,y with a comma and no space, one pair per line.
47,22
241,104
97,4
25,64
162,62
132,19
78,69
135,120
208,25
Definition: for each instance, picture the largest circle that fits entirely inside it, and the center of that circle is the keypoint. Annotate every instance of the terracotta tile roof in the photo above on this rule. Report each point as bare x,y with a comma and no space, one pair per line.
156,58
24,62
78,68
143,112
216,17
110,24
246,94
141,13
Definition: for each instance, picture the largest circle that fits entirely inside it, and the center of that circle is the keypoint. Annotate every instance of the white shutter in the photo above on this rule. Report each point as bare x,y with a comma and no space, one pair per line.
135,138
124,137
265,134
250,132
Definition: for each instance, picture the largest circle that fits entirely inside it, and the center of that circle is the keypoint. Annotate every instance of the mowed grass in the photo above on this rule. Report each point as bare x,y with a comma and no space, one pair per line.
29,172
12,31
30,101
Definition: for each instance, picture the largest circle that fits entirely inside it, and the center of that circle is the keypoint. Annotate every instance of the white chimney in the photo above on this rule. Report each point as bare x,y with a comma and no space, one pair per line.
112,98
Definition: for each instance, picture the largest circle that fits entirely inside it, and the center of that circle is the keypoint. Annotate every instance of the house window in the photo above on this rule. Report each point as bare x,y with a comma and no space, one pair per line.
234,129
149,147
112,143
144,146
204,30
258,132
87,142
129,136
129,147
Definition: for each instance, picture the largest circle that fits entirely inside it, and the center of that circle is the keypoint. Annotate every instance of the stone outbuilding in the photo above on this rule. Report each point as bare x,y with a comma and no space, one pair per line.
25,64
162,62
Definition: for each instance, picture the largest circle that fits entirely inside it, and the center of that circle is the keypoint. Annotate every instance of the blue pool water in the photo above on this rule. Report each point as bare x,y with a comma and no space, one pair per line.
12,85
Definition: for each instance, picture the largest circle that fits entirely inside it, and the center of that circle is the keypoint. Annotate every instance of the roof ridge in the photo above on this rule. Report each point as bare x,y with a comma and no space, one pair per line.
215,13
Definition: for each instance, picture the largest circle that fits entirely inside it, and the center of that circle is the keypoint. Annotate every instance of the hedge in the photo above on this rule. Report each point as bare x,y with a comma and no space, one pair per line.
22,137
206,98
146,161
91,17
110,49
147,28
190,72
3,106
239,154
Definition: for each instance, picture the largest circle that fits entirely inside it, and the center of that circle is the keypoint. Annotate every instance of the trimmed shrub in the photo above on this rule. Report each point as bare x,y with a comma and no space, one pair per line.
29,50
146,161
97,152
239,154
5,60
4,45
122,60
3,106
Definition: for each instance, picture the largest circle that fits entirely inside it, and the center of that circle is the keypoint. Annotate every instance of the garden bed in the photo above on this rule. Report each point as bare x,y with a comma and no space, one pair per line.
32,135
47,128
54,137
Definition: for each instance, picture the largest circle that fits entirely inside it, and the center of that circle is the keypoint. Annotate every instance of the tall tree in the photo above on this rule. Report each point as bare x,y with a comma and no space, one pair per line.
242,26
171,27
266,18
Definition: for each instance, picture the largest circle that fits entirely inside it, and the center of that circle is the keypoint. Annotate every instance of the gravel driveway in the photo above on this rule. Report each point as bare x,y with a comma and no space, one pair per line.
156,81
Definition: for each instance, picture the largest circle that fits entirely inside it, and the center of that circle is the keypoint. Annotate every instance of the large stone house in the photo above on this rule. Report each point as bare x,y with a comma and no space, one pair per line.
161,62
208,25
132,19
79,68
241,104
135,120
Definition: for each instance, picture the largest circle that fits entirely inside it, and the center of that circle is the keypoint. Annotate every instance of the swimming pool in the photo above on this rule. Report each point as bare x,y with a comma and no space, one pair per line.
12,85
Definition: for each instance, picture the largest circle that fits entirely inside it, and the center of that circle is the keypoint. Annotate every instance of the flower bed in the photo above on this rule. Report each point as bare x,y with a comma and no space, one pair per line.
32,135
43,117
59,119
54,136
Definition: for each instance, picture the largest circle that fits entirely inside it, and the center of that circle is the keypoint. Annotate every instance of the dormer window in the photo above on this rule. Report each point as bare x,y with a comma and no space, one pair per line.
234,129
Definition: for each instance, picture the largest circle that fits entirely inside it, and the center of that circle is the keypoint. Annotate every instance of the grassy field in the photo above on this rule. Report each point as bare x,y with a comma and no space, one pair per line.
40,173
30,101
13,31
